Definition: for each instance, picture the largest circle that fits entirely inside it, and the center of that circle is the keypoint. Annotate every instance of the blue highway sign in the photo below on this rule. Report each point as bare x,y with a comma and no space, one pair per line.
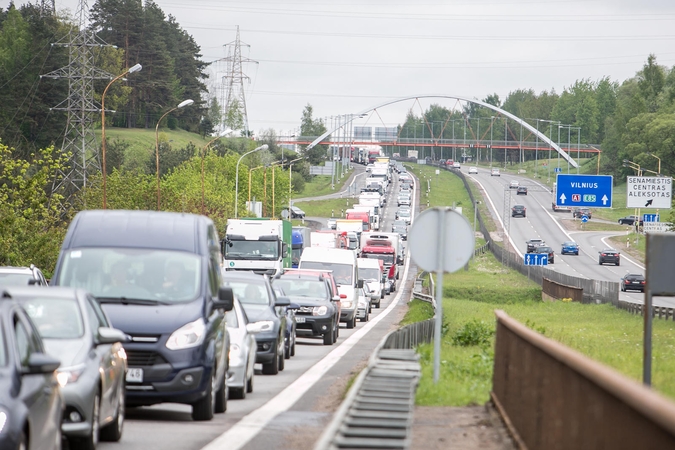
584,190
536,259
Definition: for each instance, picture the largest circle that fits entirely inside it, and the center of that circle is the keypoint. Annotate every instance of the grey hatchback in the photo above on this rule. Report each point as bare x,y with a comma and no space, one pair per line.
75,329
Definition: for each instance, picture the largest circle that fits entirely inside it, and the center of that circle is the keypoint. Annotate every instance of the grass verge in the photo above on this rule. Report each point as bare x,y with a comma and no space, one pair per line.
601,332
326,208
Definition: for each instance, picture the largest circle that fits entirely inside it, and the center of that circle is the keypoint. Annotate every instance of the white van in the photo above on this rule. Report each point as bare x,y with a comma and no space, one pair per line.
345,272
371,272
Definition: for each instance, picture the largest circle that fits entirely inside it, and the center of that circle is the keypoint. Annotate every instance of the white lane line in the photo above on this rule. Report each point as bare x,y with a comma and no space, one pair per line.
255,421
487,195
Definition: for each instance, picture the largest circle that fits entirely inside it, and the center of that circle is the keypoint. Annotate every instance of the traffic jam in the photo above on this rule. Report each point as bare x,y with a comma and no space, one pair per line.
147,308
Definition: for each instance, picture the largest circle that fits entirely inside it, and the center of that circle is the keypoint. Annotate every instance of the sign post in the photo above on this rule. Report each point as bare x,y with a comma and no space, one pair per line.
593,191
448,250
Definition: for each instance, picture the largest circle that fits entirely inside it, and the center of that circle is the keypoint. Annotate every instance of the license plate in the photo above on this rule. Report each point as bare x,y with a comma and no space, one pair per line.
299,319
134,375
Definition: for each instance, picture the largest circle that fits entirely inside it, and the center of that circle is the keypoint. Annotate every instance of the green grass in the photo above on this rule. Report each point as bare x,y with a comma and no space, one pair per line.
326,208
636,250
418,311
594,226
321,185
602,332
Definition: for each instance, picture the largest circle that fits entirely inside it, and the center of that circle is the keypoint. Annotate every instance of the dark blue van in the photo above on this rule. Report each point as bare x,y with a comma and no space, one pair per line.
158,277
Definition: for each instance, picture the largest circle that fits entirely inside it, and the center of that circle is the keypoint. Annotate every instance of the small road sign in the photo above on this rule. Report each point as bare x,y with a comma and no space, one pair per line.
557,169
536,259
584,219
651,218
584,190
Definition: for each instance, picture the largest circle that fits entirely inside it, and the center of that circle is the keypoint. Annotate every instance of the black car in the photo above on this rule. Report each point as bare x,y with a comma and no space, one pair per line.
522,190
518,210
629,220
534,243
633,282
32,406
318,314
157,276
547,250
578,213
268,312
609,256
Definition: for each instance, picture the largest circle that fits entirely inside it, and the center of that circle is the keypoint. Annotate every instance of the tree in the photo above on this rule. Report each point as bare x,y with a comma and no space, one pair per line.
651,80
234,116
311,127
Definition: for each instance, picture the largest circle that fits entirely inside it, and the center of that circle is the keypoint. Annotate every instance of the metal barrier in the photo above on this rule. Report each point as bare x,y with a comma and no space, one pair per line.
556,291
482,249
659,312
553,397
378,410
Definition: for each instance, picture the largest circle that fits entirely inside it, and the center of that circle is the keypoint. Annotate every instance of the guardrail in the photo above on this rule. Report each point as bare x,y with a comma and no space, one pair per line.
553,397
557,291
658,312
482,249
378,410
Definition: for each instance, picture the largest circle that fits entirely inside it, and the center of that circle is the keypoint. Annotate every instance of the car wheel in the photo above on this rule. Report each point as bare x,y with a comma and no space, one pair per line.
23,441
618,264
282,359
352,323
113,431
328,337
222,394
203,408
623,289
287,349
337,331
293,344
249,384
272,368
90,442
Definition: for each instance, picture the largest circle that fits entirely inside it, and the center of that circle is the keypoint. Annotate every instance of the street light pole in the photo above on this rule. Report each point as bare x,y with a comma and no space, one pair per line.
290,183
182,104
236,182
654,156
135,68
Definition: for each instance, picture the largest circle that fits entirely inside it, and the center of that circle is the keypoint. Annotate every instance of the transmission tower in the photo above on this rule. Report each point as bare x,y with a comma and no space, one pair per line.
232,91
48,5
82,109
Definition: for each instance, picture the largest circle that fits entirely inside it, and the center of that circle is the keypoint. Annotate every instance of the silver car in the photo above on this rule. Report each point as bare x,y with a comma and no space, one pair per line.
75,330
242,352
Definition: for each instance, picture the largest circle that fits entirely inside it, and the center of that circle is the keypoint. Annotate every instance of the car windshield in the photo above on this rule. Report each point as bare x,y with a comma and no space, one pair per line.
55,318
342,273
543,249
387,258
296,253
15,279
297,287
241,249
249,292
570,244
404,213
369,274
138,274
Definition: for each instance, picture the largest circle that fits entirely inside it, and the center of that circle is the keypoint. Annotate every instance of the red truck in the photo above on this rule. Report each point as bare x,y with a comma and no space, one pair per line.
363,216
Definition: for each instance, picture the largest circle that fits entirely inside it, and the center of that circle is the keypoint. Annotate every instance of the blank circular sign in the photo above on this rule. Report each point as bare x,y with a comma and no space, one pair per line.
424,240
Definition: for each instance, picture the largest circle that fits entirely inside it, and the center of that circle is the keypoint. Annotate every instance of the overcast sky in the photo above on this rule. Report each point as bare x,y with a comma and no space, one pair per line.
345,56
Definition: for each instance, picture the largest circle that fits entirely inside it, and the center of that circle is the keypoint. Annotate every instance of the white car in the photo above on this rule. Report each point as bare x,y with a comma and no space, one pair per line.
363,304
514,184
494,172
242,352
473,169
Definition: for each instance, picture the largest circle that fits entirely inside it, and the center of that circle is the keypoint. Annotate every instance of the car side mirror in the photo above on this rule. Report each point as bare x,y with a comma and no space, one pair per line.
284,250
41,363
359,284
282,301
33,282
336,298
107,335
225,299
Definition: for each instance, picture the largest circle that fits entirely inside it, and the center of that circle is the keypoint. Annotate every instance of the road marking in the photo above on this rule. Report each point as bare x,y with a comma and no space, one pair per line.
255,421
625,257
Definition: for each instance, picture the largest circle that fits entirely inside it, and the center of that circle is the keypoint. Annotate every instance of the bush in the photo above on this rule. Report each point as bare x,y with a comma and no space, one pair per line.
474,332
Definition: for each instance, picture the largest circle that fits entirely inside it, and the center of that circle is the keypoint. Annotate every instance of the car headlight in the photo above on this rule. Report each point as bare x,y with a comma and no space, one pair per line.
4,418
189,335
69,374
265,325
347,304
235,355
320,311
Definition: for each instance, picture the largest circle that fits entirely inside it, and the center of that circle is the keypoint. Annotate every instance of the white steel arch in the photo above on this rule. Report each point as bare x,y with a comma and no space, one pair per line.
542,136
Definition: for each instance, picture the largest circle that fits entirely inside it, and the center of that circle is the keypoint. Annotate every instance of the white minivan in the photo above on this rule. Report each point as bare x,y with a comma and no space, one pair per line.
371,272
342,262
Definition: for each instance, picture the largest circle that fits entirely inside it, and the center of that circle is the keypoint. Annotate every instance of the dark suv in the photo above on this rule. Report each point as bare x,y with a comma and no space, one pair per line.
533,244
318,314
522,190
633,282
578,213
609,256
157,276
518,210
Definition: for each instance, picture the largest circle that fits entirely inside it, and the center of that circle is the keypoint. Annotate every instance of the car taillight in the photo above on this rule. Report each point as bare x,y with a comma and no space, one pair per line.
602,254
627,281
642,282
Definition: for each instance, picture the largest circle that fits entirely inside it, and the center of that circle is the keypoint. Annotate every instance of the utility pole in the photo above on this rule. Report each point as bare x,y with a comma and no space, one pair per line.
233,98
82,109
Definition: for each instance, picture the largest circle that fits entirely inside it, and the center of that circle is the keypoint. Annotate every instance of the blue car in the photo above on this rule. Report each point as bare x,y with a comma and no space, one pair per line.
570,247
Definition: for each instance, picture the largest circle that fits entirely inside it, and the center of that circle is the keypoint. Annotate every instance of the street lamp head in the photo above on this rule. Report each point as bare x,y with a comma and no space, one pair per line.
625,161
135,68
264,147
185,103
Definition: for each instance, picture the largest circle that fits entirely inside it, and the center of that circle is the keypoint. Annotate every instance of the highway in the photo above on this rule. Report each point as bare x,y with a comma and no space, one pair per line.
542,222
288,410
